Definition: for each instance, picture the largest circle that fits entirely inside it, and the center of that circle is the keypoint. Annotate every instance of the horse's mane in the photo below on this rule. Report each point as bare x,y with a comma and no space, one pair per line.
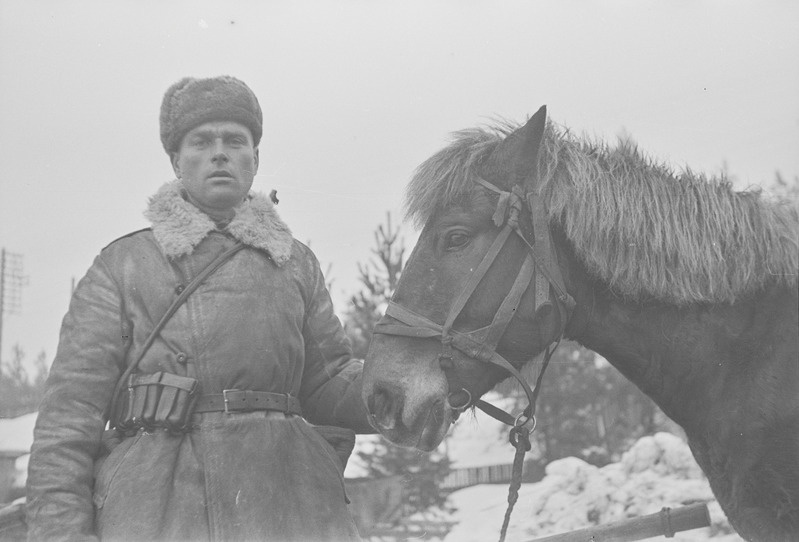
645,230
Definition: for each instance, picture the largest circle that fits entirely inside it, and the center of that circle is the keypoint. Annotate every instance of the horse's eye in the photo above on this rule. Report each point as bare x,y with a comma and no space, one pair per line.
455,240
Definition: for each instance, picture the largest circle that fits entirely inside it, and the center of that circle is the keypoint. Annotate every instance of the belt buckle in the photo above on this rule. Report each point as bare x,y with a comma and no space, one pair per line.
226,400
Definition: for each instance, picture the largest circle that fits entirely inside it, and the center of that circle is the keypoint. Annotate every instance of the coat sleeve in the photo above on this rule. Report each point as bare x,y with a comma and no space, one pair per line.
70,424
331,382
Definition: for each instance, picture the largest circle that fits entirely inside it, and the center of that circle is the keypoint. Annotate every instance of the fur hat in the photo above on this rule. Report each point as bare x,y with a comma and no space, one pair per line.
191,102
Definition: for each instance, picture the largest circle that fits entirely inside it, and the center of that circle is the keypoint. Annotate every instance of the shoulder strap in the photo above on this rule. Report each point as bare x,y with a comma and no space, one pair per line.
195,282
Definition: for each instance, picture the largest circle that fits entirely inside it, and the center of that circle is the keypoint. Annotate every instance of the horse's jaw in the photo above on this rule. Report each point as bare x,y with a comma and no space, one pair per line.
408,407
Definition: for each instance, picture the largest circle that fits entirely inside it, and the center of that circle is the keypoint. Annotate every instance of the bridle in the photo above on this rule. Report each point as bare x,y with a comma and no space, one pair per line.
538,270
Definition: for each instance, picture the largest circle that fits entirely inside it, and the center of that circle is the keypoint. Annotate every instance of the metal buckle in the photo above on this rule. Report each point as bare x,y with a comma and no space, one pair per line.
227,401
519,423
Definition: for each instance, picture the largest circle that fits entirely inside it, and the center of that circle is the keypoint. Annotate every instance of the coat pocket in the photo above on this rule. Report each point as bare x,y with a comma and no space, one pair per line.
337,443
342,441
105,469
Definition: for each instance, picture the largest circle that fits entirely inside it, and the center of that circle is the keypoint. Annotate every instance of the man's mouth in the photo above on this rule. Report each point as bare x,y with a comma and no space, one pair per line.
220,174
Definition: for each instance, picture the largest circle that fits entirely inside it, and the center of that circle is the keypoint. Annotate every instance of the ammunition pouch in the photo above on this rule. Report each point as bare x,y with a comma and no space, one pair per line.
156,401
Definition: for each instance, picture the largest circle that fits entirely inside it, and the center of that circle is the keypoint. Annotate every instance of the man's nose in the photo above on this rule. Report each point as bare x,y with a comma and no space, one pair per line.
219,152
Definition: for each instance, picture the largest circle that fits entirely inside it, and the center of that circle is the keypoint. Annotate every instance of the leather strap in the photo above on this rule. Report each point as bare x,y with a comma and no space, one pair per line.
247,401
539,269
417,326
110,413
476,277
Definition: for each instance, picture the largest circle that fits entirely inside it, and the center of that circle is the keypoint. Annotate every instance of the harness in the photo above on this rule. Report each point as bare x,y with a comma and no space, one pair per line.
540,271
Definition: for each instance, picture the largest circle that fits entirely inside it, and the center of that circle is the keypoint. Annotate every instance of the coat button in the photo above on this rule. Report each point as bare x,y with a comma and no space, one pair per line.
181,358
179,289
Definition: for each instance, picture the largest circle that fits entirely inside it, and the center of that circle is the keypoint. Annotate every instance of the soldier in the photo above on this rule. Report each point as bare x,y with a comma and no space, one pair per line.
210,437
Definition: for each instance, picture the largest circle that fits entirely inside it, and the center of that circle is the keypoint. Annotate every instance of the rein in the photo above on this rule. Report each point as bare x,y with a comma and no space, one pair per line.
539,270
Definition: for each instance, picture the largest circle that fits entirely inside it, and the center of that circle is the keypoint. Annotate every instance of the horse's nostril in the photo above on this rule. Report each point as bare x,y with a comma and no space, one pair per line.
382,409
371,404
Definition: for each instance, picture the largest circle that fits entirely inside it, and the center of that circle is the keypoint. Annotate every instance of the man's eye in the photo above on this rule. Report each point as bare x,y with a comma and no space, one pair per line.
455,240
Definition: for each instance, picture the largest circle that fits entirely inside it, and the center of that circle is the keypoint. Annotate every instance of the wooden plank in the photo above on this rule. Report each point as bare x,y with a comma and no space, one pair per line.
664,523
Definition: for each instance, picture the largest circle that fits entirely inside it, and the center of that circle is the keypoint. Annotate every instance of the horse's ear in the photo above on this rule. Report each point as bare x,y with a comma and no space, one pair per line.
516,158
536,126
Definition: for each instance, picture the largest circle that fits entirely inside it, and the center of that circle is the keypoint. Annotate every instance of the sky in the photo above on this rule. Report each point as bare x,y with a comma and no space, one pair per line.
356,94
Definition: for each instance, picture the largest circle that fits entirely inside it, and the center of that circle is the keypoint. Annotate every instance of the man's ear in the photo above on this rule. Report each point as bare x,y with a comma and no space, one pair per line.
175,158
256,157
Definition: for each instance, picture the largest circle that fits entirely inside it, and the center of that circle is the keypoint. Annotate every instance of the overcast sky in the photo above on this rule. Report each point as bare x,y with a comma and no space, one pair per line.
355,95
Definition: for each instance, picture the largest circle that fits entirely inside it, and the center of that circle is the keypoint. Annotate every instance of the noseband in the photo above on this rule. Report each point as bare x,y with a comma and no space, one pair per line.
539,270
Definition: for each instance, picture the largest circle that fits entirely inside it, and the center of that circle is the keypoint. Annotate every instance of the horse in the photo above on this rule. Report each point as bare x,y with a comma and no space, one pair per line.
530,233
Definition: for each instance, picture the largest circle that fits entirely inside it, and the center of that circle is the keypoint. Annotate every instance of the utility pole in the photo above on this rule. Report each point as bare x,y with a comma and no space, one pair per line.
11,282
2,297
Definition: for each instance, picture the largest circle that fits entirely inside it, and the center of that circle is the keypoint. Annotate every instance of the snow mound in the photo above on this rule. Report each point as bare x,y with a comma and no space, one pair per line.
656,471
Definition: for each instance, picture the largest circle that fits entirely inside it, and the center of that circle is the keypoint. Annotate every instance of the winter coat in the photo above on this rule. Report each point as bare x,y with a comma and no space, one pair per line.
263,321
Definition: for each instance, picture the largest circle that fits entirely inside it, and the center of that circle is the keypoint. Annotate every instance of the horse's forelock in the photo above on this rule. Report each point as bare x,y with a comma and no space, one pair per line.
448,176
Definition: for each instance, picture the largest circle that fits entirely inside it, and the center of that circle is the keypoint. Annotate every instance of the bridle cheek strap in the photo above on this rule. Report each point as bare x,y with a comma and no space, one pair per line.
538,269
476,277
479,344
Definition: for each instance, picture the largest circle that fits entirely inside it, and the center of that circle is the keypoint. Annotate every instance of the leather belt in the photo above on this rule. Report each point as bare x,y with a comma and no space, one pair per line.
247,401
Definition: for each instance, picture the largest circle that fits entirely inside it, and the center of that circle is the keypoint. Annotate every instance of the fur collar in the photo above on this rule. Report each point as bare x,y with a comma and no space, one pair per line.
179,226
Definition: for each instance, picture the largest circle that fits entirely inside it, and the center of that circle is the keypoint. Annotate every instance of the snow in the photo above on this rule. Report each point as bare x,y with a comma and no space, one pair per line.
657,471
478,440
355,467
16,434
16,438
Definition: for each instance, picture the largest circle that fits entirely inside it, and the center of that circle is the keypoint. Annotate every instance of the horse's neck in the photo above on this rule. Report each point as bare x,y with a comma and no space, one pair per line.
691,361
652,348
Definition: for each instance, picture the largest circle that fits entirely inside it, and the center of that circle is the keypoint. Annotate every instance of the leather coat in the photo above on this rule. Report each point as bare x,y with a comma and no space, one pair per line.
263,321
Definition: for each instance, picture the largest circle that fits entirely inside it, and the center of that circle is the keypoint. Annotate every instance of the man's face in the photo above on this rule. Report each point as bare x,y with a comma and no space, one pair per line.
216,163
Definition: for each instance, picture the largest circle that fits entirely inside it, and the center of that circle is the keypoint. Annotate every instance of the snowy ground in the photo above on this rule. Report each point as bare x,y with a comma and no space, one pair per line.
16,437
657,471
16,434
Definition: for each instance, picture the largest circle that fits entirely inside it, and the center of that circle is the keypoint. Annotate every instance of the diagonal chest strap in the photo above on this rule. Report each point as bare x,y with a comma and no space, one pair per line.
195,282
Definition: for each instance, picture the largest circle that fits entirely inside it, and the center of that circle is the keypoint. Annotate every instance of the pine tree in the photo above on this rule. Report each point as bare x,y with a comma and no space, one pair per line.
420,473
19,394
587,409
378,279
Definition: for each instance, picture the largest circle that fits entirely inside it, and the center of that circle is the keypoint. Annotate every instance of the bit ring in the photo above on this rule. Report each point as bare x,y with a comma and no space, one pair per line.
465,405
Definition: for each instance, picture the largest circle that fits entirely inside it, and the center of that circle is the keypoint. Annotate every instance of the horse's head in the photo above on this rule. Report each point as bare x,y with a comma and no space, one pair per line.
473,303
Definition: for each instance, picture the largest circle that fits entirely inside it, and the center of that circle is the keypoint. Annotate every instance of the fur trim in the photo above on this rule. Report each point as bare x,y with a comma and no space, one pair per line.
179,226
